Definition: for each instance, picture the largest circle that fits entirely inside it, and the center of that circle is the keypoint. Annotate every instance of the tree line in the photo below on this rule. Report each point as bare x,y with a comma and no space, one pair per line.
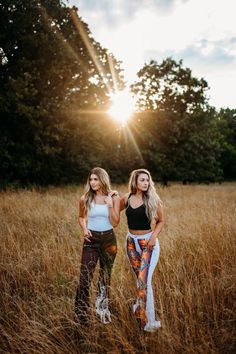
56,81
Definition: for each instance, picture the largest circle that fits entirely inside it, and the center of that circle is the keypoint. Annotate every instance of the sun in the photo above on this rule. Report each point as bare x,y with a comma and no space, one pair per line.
122,106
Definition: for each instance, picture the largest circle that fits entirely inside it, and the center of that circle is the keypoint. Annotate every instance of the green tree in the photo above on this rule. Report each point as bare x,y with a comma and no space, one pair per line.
169,87
227,127
53,74
180,139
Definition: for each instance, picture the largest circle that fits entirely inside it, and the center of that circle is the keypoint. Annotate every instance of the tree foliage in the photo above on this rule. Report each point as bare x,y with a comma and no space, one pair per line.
227,127
49,78
169,86
183,130
55,85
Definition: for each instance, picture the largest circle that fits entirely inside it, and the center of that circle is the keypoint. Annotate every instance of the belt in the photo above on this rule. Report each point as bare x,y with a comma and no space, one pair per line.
102,232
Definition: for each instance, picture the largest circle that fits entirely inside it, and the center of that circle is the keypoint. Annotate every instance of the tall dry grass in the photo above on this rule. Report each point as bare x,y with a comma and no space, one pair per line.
194,282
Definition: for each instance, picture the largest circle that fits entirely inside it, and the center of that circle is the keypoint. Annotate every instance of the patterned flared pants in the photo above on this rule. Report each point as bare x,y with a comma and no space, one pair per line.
143,263
103,247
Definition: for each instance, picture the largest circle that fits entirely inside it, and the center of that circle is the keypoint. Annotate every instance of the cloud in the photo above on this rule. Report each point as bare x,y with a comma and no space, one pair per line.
202,33
113,13
206,59
214,61
109,13
212,52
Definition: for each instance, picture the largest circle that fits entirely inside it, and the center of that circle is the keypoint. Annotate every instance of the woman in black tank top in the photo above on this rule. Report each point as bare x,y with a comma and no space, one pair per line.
145,220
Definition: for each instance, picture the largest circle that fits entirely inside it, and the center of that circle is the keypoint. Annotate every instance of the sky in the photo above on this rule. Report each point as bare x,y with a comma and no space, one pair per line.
201,32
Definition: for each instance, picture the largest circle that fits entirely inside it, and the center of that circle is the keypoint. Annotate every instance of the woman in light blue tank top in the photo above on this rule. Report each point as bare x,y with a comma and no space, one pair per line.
98,214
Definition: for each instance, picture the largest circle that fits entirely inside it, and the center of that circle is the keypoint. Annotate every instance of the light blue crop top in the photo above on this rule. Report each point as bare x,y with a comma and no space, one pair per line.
98,217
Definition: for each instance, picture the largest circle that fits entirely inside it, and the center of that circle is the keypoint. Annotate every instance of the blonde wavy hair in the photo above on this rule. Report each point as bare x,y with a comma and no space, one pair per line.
104,180
150,197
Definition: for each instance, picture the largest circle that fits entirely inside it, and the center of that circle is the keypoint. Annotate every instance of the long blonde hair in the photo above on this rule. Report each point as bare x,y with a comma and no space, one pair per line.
104,180
150,197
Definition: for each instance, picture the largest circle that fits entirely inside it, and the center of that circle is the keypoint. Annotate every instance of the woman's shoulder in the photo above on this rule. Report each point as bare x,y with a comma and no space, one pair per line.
82,198
125,197
82,203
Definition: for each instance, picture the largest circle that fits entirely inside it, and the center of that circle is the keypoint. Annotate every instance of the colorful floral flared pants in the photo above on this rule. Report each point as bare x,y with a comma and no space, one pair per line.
143,263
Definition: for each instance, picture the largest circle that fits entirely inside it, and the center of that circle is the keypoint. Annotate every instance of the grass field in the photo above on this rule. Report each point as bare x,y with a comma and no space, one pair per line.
194,282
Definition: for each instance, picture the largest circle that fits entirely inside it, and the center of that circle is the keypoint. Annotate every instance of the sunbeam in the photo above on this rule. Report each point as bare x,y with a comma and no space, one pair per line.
132,139
122,103
59,36
113,75
90,48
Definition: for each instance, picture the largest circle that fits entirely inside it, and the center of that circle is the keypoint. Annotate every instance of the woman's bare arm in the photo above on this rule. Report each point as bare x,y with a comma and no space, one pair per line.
158,227
82,219
160,221
123,201
114,211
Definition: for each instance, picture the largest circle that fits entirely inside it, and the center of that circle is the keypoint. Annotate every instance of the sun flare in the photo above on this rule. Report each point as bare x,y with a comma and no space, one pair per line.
122,106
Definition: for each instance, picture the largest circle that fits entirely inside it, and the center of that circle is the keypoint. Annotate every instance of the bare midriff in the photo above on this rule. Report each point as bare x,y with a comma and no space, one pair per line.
139,232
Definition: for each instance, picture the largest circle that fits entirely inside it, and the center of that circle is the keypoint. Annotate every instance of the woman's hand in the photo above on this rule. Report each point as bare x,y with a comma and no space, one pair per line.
113,202
87,235
108,200
151,242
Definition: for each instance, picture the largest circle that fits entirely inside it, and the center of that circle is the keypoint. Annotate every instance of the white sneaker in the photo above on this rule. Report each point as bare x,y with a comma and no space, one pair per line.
152,327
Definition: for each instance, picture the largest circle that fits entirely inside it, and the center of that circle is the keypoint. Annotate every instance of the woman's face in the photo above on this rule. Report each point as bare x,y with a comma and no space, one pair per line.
94,182
143,182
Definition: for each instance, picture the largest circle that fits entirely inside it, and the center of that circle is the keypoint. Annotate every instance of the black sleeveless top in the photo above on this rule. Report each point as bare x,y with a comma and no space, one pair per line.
137,218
